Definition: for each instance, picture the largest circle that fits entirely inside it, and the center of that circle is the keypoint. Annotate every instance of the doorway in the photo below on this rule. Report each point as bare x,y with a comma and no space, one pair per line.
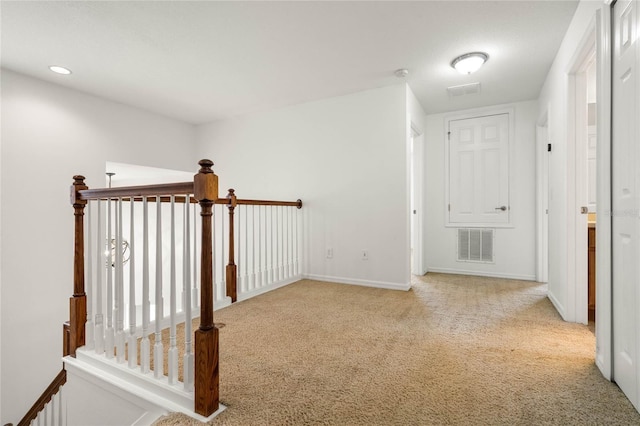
416,173
581,178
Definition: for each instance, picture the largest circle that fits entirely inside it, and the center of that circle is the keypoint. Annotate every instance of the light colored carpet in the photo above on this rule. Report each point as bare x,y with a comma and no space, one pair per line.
453,350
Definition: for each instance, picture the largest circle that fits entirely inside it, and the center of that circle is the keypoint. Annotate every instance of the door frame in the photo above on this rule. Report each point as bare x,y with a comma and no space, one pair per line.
542,196
577,309
417,164
604,295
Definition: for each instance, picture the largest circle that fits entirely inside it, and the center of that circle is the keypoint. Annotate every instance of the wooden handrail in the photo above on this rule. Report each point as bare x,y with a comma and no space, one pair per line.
180,188
232,201
46,396
297,203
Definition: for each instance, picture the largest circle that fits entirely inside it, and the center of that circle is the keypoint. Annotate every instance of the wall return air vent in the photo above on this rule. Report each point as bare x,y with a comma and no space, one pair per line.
475,245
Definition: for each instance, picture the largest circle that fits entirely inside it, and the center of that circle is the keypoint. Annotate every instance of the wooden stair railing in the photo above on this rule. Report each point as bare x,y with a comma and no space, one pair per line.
46,396
205,190
232,201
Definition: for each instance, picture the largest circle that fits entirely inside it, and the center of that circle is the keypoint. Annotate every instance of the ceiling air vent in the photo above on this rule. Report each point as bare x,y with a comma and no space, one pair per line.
464,89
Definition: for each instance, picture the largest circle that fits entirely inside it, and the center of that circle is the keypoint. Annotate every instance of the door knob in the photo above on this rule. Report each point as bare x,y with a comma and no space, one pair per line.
503,208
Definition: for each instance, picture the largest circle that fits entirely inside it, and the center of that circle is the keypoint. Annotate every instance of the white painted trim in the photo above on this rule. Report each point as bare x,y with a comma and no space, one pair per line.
483,274
576,224
542,195
266,289
418,160
604,359
509,109
355,281
559,307
143,392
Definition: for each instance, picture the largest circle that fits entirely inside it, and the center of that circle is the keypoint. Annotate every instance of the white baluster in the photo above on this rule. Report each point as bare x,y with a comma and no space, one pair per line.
145,349
132,342
272,276
173,349
119,307
260,276
63,408
296,266
55,409
238,247
46,415
88,255
109,333
223,250
246,249
187,363
195,295
158,355
100,267
214,250
287,270
278,244
290,214
253,248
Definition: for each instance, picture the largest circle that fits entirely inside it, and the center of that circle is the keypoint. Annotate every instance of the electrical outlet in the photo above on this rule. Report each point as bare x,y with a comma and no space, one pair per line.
329,253
365,255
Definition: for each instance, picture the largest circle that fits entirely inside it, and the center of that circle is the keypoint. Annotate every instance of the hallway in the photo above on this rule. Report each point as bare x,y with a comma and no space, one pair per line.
453,350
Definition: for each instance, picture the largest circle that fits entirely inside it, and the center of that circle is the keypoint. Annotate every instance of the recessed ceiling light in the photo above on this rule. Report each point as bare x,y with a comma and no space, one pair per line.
60,70
469,62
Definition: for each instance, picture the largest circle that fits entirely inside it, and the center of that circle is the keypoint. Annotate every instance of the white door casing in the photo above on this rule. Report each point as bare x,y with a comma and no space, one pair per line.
603,192
478,178
625,199
542,197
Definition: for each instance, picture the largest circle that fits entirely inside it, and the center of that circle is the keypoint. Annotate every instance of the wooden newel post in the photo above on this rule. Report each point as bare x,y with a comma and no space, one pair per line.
232,269
74,331
206,382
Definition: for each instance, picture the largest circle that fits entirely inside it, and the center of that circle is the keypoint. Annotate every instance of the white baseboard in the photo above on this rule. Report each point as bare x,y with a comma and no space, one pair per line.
557,304
354,281
483,274
267,288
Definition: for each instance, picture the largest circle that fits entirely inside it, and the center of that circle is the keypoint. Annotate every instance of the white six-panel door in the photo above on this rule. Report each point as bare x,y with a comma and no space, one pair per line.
479,170
626,199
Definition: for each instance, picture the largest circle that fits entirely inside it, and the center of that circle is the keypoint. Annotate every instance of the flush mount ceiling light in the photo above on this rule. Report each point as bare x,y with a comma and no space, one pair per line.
60,70
469,62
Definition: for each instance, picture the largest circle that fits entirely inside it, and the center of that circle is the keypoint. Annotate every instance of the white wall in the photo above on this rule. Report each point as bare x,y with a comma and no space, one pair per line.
346,158
554,98
50,133
515,253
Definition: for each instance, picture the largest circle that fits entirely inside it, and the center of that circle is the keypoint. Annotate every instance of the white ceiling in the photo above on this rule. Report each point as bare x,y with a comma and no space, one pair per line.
203,61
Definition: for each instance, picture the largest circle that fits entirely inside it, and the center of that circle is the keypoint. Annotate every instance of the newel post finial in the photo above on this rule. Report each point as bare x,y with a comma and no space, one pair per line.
205,182
205,166
78,185
231,196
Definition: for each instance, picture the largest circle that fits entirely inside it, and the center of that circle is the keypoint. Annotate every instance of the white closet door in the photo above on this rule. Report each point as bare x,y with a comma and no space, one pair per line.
479,170
625,199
